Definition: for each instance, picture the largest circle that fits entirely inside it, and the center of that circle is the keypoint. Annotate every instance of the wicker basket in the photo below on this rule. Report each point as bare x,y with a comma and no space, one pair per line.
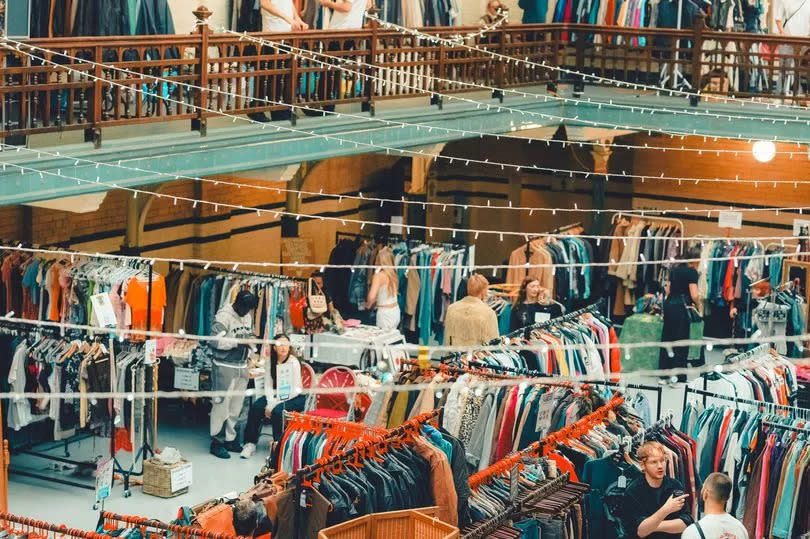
157,478
411,523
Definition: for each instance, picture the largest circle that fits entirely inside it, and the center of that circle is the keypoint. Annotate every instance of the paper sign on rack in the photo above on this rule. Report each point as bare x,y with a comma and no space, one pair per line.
103,311
150,352
181,477
187,379
730,219
104,477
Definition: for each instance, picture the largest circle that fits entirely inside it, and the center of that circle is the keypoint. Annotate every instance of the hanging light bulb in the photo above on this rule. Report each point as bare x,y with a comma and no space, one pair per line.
764,151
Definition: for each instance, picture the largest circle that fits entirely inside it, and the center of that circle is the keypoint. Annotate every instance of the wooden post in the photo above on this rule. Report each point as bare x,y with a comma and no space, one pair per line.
601,155
697,50
200,123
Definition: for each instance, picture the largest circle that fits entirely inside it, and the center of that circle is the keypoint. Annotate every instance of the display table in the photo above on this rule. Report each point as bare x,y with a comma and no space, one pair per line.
359,347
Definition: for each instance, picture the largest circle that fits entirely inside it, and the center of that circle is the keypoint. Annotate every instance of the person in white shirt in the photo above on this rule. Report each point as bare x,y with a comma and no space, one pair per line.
281,16
792,18
283,391
348,14
716,523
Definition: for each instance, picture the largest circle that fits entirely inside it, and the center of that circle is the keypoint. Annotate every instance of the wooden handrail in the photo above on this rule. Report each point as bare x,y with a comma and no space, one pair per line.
235,75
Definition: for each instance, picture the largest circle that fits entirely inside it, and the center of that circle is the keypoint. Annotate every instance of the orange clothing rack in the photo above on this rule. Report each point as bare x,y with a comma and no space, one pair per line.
547,444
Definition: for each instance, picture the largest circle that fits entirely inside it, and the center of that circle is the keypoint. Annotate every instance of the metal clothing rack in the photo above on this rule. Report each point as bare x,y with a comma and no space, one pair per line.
658,390
560,230
251,274
643,215
792,410
785,427
36,449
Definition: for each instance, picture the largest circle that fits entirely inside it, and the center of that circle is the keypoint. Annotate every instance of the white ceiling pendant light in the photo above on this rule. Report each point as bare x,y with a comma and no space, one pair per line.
764,151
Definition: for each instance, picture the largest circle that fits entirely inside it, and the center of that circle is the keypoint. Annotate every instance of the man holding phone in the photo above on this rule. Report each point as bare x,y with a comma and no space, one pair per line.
655,505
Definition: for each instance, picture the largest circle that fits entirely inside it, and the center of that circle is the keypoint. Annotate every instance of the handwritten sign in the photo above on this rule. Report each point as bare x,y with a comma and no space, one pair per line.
730,219
187,379
301,250
104,477
181,477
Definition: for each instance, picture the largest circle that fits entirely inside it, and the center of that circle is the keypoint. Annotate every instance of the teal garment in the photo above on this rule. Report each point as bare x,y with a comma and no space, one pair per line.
435,437
529,529
781,526
504,319
133,15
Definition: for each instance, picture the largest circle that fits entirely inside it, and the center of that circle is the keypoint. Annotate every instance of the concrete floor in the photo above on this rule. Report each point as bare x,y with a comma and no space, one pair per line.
62,504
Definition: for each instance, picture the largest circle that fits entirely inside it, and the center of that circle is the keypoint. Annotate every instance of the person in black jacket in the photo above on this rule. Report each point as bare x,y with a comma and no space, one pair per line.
532,306
654,504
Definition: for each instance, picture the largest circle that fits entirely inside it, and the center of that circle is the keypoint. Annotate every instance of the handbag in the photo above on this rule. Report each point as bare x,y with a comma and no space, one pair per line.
317,302
692,312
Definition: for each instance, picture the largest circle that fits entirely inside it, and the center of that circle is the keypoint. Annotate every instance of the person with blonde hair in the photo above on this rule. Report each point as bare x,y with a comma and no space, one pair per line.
383,291
655,505
470,321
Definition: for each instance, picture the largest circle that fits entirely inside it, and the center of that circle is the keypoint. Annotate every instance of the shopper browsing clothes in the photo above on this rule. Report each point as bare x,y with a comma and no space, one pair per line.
716,523
382,293
679,309
230,371
532,306
470,321
282,392
654,504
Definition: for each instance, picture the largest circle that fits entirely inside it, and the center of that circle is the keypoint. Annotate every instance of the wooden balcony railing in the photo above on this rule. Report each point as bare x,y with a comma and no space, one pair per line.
233,75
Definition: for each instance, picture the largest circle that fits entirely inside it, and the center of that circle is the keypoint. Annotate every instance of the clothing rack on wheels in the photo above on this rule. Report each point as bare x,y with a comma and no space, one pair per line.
149,440
306,476
41,449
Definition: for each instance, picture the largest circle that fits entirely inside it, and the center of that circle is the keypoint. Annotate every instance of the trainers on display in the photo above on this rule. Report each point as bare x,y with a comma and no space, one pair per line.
248,450
218,450
233,446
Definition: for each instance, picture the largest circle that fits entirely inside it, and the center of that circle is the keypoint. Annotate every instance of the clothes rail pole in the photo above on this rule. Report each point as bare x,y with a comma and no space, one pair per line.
182,531
42,525
228,271
658,390
786,427
739,400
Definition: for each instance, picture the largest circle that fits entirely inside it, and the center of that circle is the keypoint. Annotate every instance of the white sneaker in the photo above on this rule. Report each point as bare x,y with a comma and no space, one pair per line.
248,451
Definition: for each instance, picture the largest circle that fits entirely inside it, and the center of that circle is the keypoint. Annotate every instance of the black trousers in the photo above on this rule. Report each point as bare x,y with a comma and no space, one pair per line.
256,417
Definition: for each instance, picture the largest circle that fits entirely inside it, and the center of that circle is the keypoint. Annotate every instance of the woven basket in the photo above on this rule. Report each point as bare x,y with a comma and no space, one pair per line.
157,478
411,523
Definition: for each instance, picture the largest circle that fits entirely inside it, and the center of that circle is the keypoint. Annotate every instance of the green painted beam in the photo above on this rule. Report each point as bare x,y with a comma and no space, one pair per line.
244,147
247,147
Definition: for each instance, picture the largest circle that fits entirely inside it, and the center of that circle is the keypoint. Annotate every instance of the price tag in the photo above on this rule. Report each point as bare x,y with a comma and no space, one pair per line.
539,318
150,352
514,478
187,379
103,310
544,413
181,477
284,380
104,477
730,219
423,358
622,482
